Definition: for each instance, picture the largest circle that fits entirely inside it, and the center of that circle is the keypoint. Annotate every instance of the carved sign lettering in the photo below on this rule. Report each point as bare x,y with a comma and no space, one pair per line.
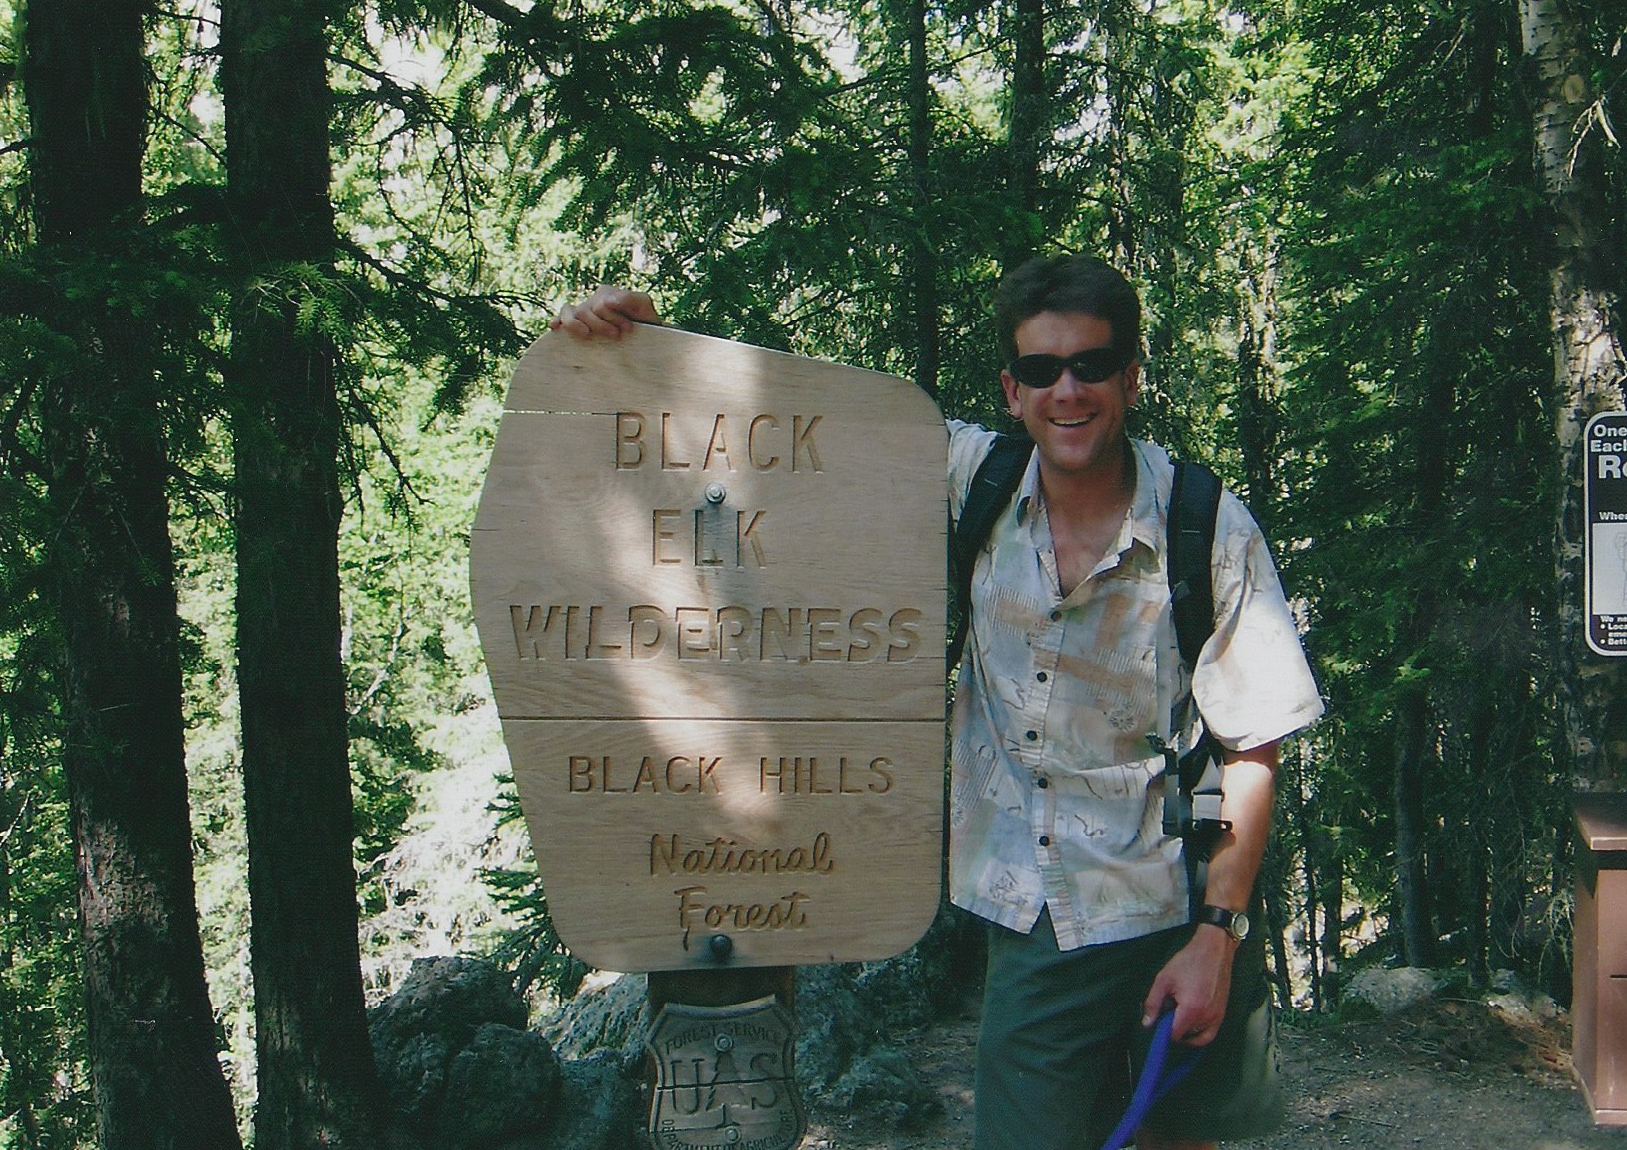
709,582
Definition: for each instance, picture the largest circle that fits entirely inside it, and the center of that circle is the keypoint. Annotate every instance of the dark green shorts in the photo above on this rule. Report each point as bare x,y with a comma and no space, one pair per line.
1062,1043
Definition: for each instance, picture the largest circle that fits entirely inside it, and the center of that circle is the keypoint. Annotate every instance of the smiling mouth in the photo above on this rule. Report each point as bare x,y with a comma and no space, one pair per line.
1072,422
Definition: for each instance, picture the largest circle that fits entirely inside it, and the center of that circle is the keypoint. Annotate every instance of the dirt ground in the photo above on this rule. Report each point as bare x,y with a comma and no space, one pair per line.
1444,1075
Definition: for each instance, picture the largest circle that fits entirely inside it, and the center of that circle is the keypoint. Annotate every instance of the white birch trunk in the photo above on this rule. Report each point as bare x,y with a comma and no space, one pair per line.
1589,369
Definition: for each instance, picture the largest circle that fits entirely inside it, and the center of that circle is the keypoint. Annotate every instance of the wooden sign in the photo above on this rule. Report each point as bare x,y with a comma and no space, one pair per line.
709,582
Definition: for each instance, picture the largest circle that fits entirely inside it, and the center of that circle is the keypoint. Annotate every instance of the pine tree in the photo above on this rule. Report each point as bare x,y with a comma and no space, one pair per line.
156,1078
317,1082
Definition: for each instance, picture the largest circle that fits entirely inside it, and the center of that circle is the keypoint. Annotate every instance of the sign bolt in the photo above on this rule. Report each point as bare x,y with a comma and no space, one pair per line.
716,493
721,946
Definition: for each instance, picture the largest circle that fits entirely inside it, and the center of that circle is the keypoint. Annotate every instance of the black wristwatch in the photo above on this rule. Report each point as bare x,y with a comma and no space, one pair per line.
1233,922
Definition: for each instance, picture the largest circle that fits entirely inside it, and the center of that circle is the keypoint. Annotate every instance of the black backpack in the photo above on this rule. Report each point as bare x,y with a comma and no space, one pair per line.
1192,780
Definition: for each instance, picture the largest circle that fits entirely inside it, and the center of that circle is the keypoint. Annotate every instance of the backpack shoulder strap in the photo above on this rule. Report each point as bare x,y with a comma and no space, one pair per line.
993,485
1192,784
1194,504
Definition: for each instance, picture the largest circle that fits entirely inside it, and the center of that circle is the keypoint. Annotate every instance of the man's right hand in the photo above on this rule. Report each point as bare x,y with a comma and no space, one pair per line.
609,313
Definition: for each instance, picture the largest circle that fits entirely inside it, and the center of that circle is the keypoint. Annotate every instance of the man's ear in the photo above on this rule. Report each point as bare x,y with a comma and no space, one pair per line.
1132,382
1009,385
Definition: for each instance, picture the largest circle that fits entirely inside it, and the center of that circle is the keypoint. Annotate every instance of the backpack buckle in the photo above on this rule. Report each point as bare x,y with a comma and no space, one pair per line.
1191,816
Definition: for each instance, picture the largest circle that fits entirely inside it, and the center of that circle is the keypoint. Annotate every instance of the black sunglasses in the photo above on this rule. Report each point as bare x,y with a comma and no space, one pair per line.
1093,365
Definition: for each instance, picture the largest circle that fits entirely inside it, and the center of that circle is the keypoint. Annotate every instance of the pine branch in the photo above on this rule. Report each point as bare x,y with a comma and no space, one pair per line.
505,14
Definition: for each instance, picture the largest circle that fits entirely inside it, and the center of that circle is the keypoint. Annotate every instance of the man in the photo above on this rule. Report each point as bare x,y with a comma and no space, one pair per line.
1072,662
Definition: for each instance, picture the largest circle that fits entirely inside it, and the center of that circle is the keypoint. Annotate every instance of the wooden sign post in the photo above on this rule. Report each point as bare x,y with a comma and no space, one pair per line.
709,583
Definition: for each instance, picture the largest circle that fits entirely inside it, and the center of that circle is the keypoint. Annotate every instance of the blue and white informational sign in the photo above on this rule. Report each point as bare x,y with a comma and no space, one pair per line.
1606,540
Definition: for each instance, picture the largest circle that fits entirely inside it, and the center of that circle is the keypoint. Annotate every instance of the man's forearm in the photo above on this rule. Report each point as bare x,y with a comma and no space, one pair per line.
1246,801
1198,977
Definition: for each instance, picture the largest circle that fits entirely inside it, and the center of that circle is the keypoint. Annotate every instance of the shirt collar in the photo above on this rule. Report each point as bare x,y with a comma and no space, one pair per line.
1029,487
1146,506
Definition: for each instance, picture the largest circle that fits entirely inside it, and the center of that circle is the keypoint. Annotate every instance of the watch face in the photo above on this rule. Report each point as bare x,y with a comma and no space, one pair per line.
1239,927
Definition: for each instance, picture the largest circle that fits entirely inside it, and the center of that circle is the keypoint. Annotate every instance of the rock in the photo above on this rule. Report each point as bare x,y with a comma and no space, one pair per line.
1512,1008
1389,991
843,1011
500,1091
460,1068
881,1088
1519,1005
599,1106
831,1030
610,1017
848,1015
414,1074
450,997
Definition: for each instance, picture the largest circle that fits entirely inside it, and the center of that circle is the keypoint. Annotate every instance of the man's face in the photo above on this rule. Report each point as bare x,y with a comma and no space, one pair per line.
1077,426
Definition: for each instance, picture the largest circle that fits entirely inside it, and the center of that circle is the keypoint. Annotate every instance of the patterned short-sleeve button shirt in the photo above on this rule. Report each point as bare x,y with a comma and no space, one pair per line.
1052,803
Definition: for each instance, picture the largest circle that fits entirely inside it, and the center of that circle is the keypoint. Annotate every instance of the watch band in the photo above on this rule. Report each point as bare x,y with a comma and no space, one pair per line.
1233,922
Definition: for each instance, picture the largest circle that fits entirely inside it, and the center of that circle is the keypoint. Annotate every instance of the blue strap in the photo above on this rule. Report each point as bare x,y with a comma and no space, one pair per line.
1155,1081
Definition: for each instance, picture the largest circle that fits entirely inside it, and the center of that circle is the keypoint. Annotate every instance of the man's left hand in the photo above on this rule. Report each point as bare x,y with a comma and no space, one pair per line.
1197,981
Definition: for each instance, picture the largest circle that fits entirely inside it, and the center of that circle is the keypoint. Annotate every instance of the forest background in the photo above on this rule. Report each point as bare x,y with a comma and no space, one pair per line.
264,263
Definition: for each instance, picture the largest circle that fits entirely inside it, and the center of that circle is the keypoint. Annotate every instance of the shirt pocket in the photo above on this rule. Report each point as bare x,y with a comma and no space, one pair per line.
1105,706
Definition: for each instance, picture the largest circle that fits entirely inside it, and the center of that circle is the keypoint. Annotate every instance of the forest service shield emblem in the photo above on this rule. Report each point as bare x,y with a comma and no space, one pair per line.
724,1078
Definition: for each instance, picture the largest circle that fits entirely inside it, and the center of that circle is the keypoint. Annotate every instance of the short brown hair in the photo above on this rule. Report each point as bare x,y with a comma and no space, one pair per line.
1082,284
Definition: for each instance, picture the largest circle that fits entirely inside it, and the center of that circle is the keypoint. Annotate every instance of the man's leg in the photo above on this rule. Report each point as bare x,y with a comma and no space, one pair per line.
1061,1031
1147,1140
1235,1090
1052,1056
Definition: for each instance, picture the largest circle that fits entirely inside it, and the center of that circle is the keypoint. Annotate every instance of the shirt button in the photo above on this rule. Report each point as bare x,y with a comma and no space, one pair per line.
1042,782
1045,840
1042,676
1032,735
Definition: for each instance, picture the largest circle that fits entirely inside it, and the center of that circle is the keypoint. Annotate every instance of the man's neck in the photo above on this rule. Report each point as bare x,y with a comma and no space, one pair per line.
1092,497
1086,511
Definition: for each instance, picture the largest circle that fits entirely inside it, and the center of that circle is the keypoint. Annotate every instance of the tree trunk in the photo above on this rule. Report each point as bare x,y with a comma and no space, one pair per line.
1271,884
1030,99
924,251
1589,369
27,1065
1482,819
155,1076
1259,415
1156,122
317,1082
1333,916
1125,222
1411,874
1415,731
1291,786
